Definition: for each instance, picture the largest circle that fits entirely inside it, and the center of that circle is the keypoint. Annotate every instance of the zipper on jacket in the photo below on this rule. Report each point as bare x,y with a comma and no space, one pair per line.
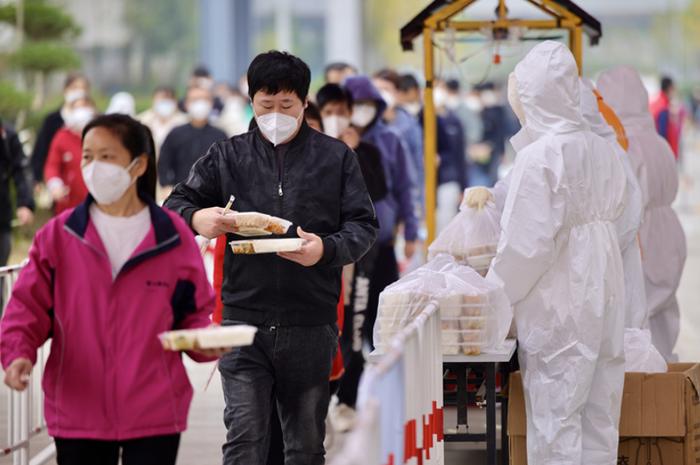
280,199
280,173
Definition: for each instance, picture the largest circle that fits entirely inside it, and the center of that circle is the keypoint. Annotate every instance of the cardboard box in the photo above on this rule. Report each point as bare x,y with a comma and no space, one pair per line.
660,422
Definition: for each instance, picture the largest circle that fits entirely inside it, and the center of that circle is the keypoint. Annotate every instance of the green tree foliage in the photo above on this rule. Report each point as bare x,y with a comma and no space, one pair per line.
46,28
42,21
45,57
12,101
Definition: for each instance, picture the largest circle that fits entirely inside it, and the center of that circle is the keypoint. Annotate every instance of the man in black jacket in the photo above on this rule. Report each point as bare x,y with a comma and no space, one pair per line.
288,170
13,167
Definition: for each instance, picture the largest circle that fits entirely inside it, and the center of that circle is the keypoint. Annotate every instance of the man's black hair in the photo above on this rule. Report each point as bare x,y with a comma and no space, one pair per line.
488,85
408,82
273,72
666,84
201,71
332,93
167,90
338,66
388,75
453,85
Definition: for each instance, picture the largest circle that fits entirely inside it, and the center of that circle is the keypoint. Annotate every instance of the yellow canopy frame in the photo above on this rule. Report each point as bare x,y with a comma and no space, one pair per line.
436,18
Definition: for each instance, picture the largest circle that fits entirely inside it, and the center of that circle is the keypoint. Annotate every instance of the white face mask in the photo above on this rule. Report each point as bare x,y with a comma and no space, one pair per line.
388,98
473,102
199,109
489,98
439,97
164,108
363,114
334,125
78,118
71,96
452,102
107,182
278,127
412,108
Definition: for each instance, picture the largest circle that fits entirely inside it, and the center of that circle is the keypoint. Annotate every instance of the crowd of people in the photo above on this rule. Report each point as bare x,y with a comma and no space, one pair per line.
345,166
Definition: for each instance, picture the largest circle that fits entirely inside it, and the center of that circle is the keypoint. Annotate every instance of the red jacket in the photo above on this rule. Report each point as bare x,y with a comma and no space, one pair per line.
63,162
668,122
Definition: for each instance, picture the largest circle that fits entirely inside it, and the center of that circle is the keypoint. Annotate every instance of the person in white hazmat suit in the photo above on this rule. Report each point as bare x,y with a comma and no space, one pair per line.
661,235
629,222
559,262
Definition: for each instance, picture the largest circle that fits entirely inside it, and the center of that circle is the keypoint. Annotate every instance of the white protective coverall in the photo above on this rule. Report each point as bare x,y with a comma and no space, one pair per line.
661,234
629,222
559,261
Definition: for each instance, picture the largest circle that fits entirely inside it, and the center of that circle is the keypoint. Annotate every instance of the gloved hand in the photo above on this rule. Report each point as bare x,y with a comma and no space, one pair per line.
477,197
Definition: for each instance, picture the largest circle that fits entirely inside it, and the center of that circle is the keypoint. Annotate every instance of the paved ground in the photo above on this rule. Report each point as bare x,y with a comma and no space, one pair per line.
201,443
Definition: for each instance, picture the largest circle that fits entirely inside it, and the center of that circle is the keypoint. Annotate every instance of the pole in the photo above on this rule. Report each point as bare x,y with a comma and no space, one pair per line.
576,46
430,137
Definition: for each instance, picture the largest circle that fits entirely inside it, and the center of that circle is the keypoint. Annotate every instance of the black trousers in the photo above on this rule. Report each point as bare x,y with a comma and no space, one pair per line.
156,450
5,246
359,319
289,367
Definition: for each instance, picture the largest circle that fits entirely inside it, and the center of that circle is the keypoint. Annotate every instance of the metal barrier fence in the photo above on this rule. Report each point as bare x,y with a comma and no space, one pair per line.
24,414
400,404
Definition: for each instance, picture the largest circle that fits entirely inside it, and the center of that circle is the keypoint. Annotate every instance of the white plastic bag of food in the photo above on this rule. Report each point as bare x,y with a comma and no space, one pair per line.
640,353
402,301
471,237
476,314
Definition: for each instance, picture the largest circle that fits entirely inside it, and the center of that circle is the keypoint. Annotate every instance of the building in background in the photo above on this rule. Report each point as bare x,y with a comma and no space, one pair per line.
135,44
232,32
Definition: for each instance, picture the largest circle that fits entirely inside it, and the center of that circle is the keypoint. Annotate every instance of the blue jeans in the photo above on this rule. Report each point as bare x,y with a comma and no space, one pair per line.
288,365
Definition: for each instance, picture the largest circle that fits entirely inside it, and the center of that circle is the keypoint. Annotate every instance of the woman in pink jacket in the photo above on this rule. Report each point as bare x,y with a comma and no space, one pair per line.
103,280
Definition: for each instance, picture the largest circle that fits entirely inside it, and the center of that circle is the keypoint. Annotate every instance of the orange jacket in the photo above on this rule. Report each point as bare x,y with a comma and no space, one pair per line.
612,120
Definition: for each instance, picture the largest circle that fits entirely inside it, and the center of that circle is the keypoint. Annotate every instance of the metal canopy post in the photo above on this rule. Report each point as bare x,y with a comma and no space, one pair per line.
430,139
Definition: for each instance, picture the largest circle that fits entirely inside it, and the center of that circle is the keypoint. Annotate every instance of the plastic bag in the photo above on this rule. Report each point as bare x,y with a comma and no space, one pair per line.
402,301
471,237
640,353
475,314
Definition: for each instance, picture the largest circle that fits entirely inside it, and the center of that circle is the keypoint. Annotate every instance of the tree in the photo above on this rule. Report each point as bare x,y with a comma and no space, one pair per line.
43,30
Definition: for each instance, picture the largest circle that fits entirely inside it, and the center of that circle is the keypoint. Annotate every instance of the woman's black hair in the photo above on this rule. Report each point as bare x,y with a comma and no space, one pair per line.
273,72
137,140
333,93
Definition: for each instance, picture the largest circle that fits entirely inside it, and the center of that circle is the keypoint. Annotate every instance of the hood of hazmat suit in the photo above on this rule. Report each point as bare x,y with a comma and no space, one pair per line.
559,261
661,235
628,223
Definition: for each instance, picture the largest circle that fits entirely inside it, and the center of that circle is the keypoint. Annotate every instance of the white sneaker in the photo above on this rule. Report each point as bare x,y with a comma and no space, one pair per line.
342,418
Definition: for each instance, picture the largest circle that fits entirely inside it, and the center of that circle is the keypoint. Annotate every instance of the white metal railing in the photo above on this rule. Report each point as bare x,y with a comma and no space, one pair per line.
400,403
25,410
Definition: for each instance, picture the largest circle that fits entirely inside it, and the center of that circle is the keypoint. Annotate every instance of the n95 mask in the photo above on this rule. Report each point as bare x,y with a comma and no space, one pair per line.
278,127
107,182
